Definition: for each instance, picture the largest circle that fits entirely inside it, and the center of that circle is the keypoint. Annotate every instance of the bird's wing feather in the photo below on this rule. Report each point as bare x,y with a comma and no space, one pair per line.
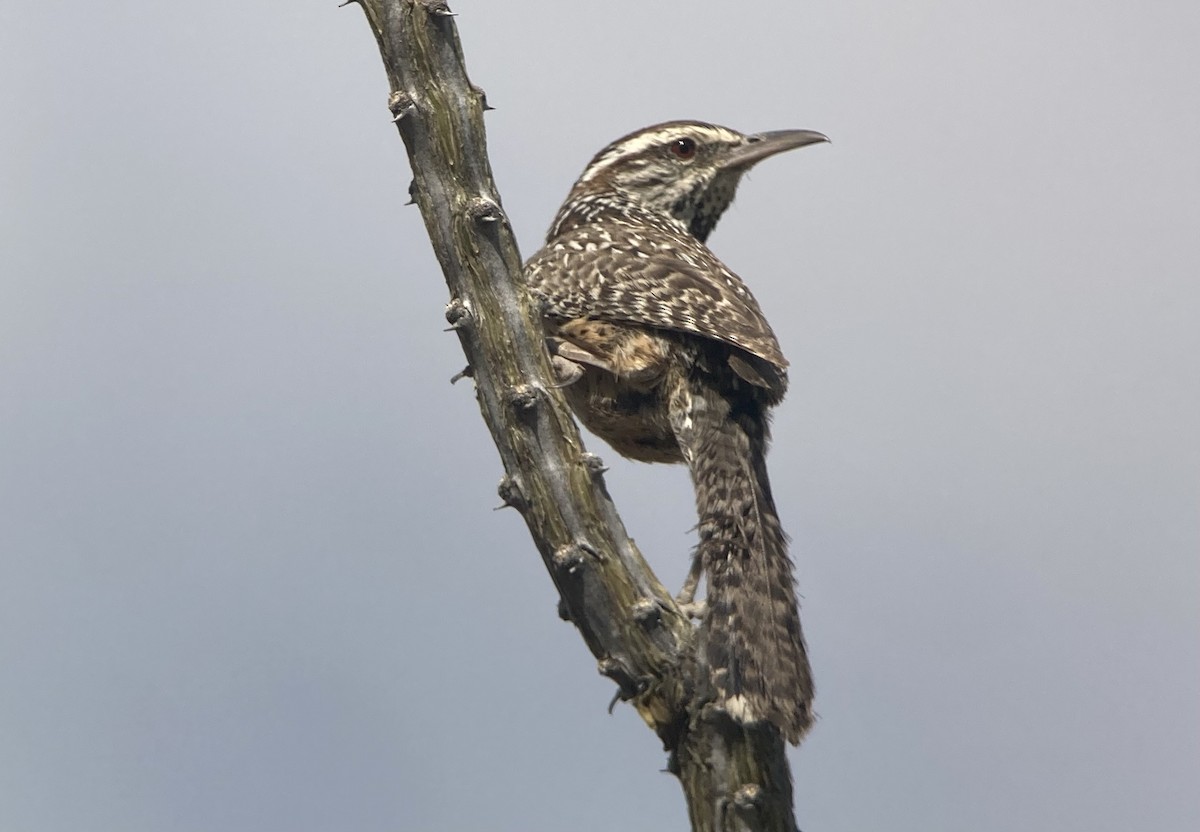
618,275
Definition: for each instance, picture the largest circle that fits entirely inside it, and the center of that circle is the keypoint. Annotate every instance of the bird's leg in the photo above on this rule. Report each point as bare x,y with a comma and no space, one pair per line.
568,361
686,599
566,372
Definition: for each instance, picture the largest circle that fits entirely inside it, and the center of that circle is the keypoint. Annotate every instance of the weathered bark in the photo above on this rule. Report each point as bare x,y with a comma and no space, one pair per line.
733,777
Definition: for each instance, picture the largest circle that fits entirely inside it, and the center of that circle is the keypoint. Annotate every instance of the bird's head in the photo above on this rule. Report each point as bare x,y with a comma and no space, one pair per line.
688,170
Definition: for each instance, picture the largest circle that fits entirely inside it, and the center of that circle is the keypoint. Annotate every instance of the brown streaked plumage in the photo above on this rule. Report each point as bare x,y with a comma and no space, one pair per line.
667,356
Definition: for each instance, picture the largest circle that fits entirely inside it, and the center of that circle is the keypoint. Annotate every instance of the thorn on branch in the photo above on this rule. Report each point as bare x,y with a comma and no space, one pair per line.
647,613
629,687
458,314
563,611
523,399
570,558
484,211
594,463
466,372
482,97
746,804
437,8
510,492
347,3
400,103
612,703
748,797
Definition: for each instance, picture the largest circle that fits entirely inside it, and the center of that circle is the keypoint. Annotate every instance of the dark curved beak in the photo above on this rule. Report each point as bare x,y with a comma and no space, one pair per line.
761,145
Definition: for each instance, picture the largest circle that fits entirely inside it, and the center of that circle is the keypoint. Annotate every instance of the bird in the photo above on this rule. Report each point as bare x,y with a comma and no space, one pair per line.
662,351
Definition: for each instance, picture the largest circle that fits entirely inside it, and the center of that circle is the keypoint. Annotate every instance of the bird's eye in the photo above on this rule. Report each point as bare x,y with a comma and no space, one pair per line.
684,148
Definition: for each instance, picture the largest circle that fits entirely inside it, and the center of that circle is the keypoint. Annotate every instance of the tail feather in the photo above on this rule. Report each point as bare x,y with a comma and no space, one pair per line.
753,643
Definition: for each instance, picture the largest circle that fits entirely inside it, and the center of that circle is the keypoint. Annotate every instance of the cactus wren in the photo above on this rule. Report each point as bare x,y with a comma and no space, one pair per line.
665,354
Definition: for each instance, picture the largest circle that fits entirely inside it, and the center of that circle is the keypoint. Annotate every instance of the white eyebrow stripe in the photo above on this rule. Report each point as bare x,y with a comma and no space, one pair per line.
642,142
629,147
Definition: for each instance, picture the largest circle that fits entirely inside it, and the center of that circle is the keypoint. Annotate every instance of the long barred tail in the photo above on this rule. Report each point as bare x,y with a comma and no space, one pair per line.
751,633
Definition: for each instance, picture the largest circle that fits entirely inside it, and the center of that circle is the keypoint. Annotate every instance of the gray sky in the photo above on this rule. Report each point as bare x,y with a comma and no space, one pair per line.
251,575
